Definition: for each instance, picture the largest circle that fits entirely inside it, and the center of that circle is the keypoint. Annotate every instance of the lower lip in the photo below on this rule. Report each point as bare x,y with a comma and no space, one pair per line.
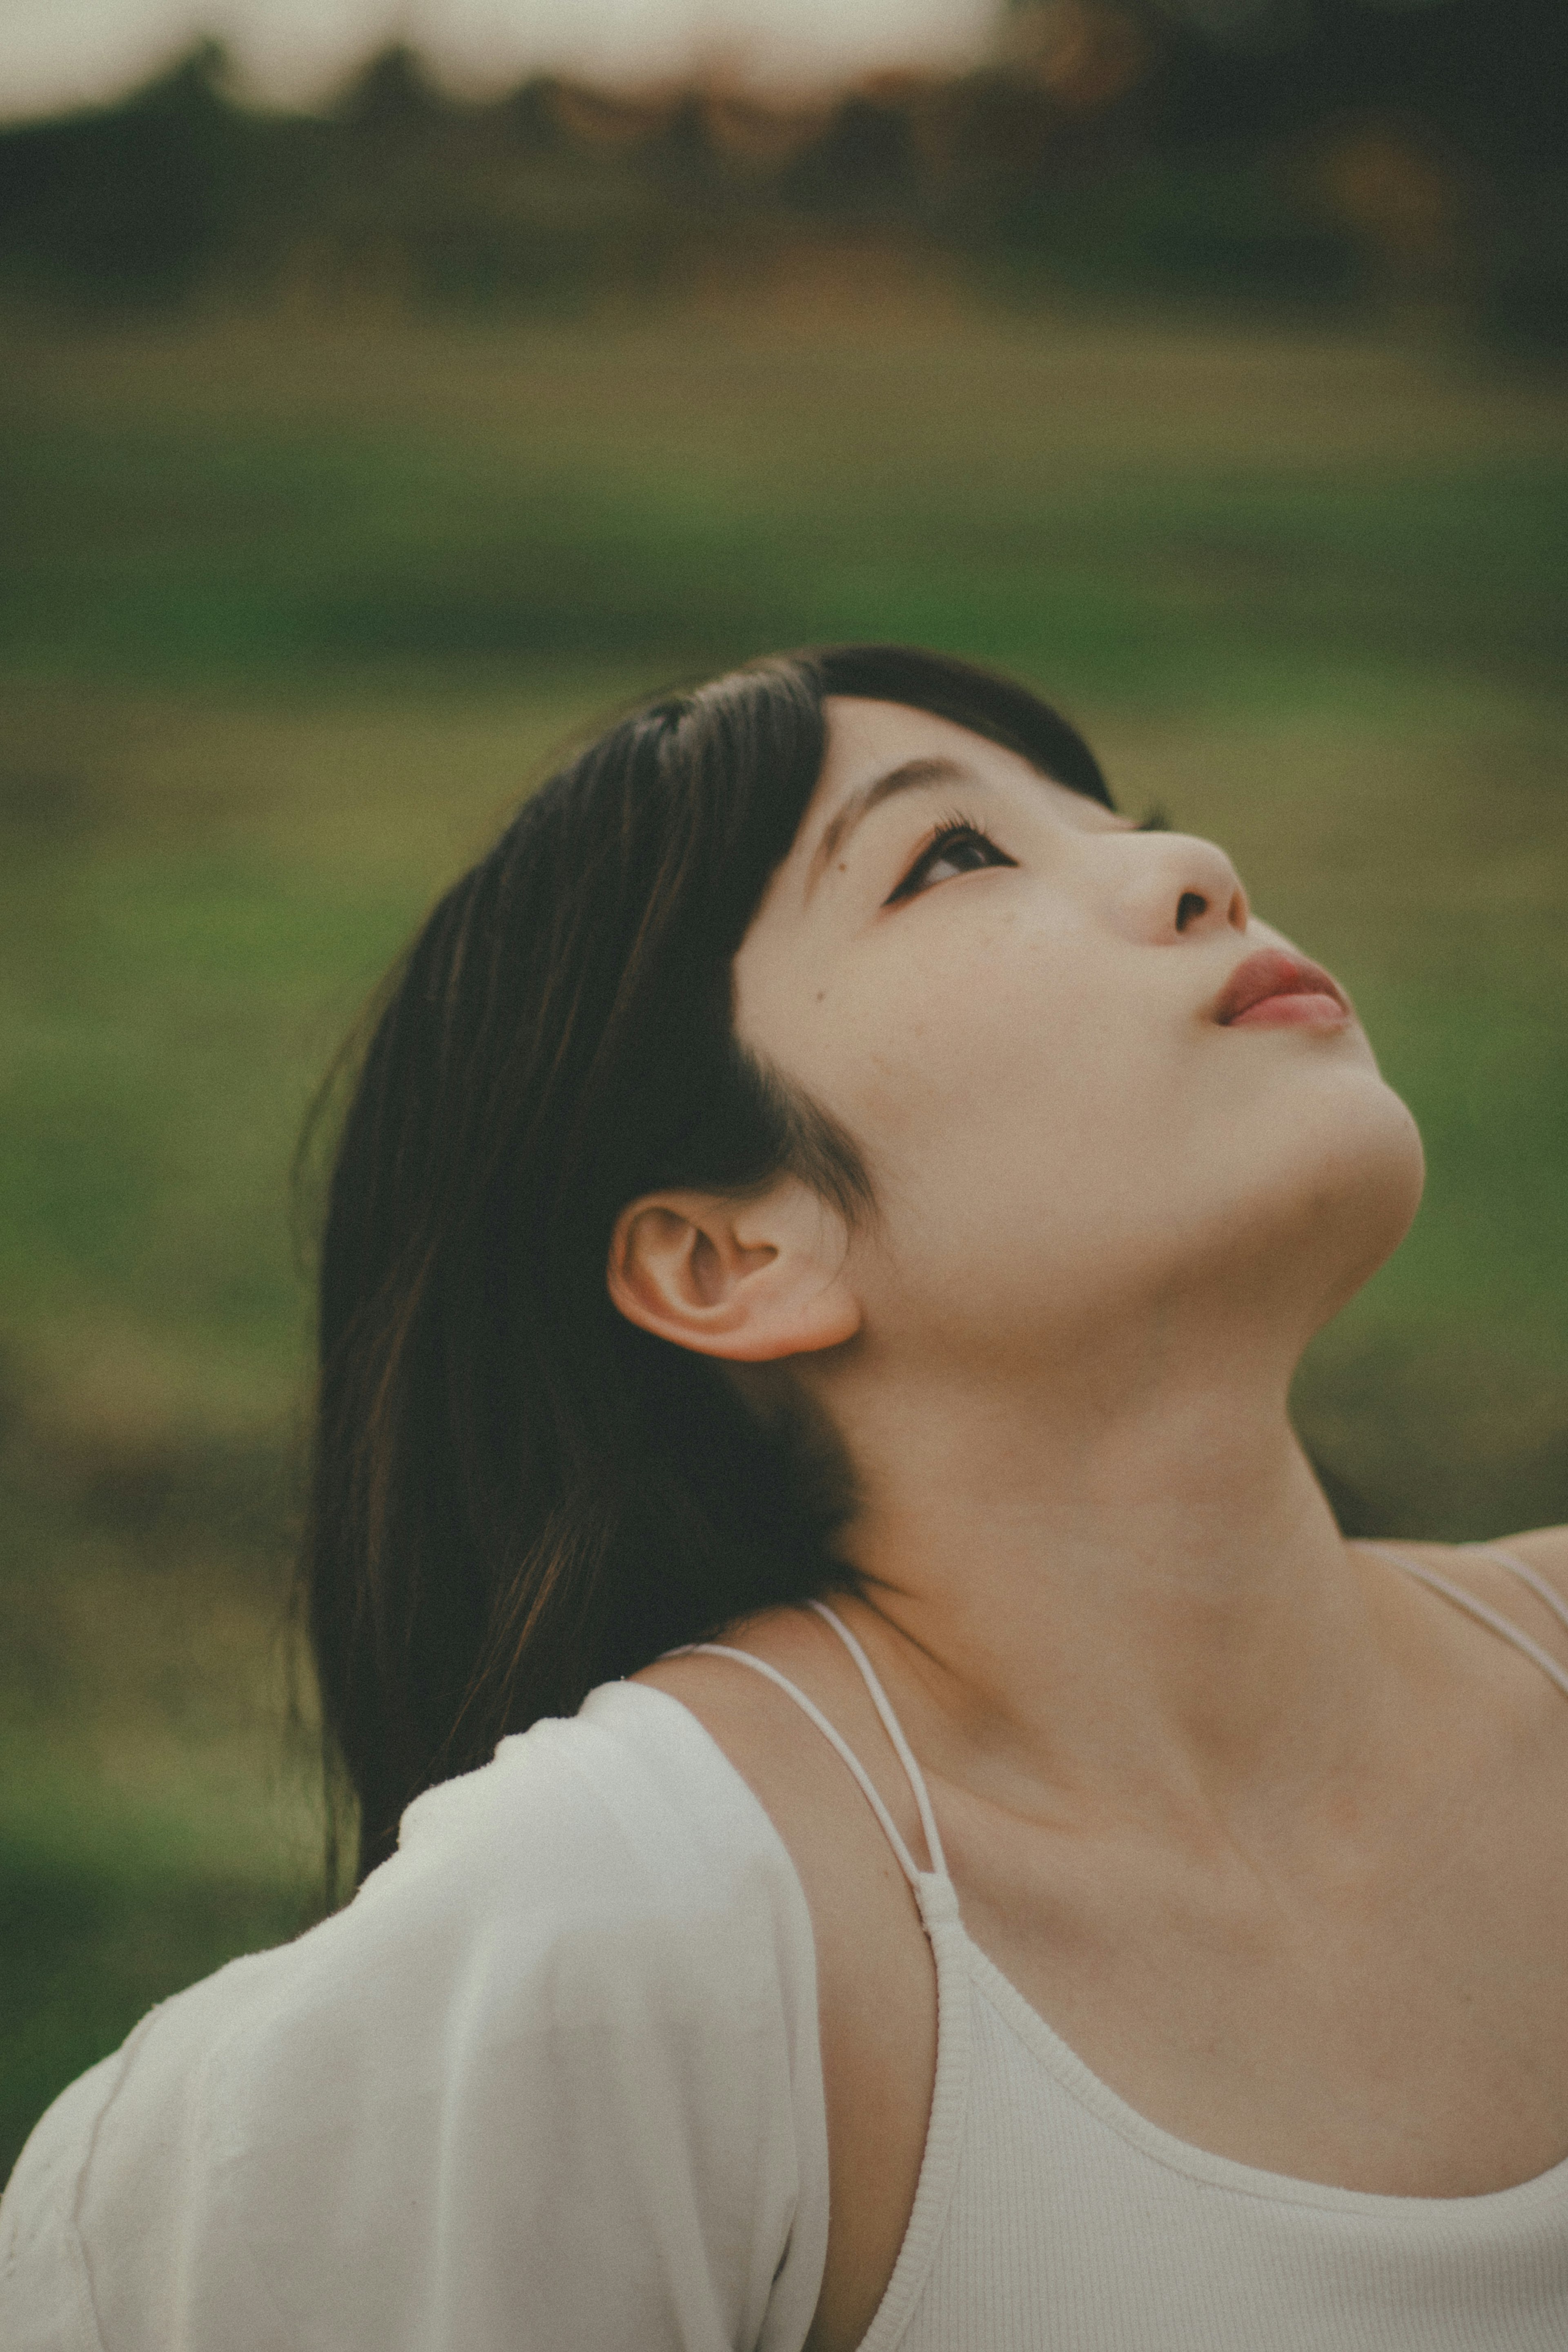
1296,1011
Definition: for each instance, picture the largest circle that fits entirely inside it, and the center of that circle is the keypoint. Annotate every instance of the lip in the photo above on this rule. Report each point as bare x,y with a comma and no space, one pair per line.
1276,990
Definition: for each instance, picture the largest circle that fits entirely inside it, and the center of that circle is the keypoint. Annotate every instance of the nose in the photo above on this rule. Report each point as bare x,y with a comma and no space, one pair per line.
1178,888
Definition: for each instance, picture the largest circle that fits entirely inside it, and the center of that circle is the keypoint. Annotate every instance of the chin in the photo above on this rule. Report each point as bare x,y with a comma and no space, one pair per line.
1364,1169
1324,1179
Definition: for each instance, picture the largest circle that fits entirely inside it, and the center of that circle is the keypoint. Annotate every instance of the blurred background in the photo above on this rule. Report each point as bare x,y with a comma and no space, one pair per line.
375,413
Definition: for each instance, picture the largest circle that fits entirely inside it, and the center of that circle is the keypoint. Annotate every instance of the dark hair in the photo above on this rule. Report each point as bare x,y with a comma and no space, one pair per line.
514,1495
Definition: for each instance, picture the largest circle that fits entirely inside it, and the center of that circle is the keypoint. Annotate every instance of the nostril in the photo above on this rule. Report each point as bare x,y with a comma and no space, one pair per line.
1190,906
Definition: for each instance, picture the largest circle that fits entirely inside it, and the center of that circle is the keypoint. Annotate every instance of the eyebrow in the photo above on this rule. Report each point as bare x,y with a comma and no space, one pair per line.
906,778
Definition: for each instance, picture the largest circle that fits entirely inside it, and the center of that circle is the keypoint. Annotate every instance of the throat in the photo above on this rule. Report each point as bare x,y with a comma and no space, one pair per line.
1167,1626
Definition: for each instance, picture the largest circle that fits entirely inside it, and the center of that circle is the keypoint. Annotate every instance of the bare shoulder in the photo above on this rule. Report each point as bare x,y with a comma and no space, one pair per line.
772,1744
1478,1569
1545,1549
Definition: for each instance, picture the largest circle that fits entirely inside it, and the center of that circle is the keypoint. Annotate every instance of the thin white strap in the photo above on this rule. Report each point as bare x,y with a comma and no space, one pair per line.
1463,1600
1532,1577
894,1730
907,1862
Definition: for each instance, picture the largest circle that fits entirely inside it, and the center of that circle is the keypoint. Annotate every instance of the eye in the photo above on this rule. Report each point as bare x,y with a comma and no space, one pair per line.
957,846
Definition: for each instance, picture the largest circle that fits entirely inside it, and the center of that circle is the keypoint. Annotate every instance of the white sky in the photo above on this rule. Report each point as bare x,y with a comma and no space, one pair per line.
56,52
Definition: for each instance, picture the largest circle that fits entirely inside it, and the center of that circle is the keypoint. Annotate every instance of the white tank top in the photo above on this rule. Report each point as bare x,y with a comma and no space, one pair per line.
1051,2217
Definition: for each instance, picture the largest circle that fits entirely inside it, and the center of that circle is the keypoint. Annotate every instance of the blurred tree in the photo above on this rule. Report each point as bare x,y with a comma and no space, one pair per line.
865,161
392,99
134,202
1270,149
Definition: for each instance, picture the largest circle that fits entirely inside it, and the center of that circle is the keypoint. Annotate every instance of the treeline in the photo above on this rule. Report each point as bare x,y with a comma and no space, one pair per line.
1346,146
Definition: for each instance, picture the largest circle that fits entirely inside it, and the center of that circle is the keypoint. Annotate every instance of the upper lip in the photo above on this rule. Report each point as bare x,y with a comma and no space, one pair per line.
1273,971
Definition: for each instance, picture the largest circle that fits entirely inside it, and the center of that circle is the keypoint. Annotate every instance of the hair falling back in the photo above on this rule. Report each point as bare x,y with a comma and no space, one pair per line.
514,1495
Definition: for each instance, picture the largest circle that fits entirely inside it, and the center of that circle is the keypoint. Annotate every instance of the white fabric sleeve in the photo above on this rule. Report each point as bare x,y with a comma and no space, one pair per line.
551,2083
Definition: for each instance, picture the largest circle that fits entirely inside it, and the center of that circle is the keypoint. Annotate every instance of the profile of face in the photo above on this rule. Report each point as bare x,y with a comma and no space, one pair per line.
1026,1011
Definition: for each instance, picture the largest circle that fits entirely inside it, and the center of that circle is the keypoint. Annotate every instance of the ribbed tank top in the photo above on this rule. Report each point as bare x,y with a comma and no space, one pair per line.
1051,2217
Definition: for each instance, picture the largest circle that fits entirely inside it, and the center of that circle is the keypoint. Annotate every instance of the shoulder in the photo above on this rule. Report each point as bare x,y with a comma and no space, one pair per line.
576,2005
614,1863
1545,1549
628,1808
1483,1570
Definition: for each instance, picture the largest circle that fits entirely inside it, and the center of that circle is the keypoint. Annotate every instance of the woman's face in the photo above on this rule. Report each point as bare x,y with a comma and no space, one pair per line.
1016,1002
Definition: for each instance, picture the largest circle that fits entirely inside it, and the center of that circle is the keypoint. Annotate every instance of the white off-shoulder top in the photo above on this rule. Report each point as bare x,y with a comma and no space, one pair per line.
551,2084
551,2080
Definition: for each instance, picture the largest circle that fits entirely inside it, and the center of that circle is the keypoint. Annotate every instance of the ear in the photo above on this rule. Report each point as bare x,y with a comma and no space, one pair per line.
749,1280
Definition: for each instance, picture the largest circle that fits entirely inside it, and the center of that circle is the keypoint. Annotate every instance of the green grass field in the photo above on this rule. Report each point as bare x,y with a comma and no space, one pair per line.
291,613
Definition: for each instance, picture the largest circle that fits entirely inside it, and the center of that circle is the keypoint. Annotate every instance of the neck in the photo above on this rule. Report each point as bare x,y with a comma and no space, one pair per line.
1144,1602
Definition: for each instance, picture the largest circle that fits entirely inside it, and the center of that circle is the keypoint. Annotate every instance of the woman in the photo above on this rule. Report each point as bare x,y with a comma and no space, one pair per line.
828,1198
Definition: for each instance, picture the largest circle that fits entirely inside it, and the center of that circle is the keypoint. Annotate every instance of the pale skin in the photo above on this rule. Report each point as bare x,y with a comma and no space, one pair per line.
1268,1833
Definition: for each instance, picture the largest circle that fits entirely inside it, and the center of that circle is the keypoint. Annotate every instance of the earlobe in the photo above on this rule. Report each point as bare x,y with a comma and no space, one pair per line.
748,1281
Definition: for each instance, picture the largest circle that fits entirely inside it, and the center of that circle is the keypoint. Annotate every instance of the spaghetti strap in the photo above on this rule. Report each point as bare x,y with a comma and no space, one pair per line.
868,1789
890,1725
1531,1575
1479,1609
894,1730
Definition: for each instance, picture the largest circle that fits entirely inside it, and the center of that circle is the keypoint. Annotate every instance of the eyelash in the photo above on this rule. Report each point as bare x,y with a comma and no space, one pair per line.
952,828
958,827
